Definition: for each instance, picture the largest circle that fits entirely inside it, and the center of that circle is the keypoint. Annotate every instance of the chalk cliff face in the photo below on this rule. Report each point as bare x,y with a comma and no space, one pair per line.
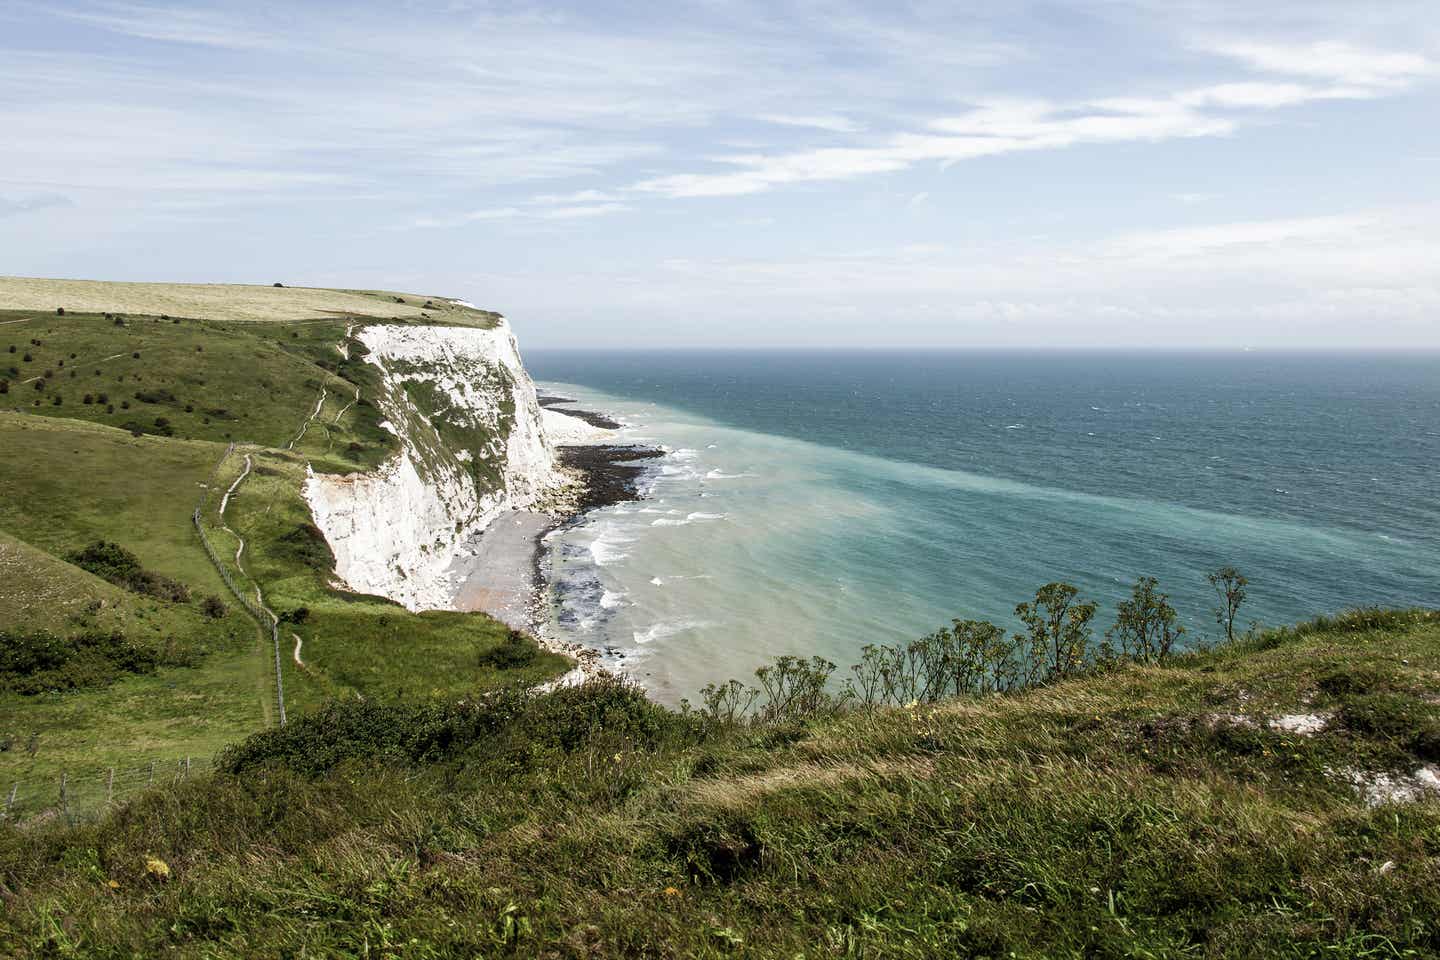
472,445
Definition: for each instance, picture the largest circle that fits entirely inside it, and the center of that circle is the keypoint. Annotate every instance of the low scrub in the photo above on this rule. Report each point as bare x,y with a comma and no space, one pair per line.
512,721
114,563
40,662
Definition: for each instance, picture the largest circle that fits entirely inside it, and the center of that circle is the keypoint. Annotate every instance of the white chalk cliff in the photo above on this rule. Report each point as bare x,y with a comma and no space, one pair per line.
472,445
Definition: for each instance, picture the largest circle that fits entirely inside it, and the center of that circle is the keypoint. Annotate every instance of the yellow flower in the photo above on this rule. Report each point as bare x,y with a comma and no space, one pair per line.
671,892
157,869
113,885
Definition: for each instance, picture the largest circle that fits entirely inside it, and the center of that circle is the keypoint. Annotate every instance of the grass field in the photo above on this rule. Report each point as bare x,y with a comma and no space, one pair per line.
134,411
1162,811
238,302
173,713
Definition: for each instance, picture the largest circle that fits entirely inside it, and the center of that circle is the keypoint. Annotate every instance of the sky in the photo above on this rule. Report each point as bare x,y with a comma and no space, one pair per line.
1137,173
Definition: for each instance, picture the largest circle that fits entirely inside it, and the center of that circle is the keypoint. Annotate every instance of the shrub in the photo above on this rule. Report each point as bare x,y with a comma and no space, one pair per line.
213,607
59,311
1146,626
109,408
12,348
87,399
512,653
515,721
1057,632
124,404
163,428
39,662
135,355
298,615
27,358
40,384
305,544
102,398
4,386
56,400
114,563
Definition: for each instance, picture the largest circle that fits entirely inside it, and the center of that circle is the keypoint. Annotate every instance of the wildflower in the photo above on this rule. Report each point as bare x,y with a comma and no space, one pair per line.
157,869
671,892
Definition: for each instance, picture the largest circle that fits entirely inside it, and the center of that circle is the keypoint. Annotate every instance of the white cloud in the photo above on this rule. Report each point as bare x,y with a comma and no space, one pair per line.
831,122
1334,61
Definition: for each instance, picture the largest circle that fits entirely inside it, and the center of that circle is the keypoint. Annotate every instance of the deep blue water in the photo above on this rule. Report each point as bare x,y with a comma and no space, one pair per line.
1316,474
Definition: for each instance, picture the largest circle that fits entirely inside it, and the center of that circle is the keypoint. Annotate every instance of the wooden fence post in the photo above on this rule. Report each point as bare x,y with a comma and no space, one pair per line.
64,793
10,800
110,787
151,781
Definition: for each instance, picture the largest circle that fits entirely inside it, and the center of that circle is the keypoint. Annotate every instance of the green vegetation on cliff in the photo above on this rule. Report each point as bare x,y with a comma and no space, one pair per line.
113,422
1261,800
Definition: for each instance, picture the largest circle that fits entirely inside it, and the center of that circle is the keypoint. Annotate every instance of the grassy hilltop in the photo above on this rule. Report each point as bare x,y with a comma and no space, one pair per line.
117,405
1150,811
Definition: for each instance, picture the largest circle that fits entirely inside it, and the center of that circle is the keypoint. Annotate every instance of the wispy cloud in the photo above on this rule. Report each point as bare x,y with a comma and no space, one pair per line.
1001,126
832,122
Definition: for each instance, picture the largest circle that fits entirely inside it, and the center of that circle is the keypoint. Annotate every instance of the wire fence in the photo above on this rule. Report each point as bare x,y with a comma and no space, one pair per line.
262,616
87,793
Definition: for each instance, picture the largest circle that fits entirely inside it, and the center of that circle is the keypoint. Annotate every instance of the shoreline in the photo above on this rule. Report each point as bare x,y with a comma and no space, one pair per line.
504,570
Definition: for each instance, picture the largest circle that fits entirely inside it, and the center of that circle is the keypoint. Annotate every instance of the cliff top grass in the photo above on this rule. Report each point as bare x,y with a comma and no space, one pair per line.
1147,811
234,302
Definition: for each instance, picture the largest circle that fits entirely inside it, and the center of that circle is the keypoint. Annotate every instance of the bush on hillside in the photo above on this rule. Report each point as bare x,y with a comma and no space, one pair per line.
33,663
514,722
307,545
513,652
114,563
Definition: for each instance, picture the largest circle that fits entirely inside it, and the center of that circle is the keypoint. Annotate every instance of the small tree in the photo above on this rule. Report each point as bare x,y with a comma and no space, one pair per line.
1146,626
1229,585
1057,635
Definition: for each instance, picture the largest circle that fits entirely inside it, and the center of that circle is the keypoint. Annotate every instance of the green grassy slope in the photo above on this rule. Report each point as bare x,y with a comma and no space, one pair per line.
1146,812
172,713
291,392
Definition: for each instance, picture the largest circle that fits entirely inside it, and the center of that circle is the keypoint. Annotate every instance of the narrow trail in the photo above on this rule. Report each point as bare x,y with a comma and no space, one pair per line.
347,406
298,644
225,502
308,420
28,319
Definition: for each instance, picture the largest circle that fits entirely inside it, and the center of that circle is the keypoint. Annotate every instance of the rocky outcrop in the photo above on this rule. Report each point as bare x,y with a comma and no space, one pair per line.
472,445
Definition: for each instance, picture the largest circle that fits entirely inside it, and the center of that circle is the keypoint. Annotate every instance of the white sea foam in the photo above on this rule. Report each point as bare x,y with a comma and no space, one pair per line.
665,629
661,581
607,550
611,599
721,475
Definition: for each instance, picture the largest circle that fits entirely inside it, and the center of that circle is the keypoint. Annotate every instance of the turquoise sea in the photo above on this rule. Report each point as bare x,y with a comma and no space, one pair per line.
813,502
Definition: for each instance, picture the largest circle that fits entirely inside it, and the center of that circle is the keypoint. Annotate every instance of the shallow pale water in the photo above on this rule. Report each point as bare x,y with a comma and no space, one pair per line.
813,503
